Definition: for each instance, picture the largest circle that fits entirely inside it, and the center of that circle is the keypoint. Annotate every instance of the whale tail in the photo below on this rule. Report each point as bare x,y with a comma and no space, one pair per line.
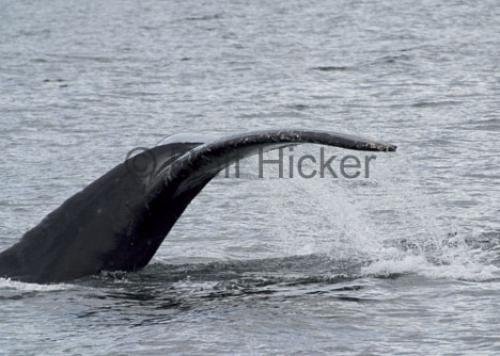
119,221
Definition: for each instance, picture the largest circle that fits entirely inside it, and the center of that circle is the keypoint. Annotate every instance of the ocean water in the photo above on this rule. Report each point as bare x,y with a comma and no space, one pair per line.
406,261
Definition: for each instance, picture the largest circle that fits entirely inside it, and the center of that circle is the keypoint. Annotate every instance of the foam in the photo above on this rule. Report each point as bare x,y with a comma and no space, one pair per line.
6,283
418,264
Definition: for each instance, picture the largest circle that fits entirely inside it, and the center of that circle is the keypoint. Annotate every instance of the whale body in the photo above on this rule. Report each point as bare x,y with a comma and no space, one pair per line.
118,222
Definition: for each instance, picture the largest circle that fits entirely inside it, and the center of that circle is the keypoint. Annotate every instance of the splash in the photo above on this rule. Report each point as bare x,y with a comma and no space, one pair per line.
394,224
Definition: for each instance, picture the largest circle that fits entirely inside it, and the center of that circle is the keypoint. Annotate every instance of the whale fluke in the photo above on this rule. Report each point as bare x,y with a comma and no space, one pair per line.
119,221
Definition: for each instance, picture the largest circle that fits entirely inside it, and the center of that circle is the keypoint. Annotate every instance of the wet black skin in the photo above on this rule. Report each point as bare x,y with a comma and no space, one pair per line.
119,221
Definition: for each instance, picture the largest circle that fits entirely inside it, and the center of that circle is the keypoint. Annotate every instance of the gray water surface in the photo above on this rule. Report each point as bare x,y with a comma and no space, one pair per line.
404,262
